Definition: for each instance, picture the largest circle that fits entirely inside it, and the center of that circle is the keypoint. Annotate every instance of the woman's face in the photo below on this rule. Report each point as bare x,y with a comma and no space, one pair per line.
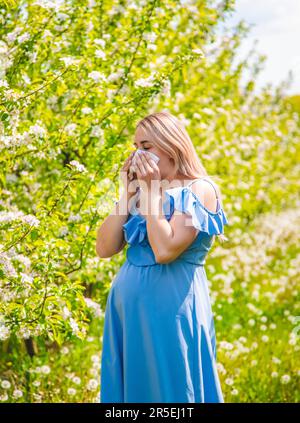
143,142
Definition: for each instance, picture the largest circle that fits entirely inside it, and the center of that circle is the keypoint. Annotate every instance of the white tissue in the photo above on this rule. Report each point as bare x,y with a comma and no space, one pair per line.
152,155
132,168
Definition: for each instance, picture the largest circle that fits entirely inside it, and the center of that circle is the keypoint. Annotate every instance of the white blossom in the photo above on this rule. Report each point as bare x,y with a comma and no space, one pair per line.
69,60
17,393
74,218
96,76
4,397
70,128
92,385
24,333
150,36
100,54
26,79
45,369
62,16
4,332
145,82
63,231
76,165
285,379
114,76
26,278
37,130
94,306
251,322
23,37
12,36
50,4
100,42
5,384
86,110
36,383
97,131
65,350
31,220
66,313
95,358
74,326
198,51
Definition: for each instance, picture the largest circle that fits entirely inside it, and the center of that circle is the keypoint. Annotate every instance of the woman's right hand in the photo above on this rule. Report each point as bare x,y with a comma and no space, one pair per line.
125,175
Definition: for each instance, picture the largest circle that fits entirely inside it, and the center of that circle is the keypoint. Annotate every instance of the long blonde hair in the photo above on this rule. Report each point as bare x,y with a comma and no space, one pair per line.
170,135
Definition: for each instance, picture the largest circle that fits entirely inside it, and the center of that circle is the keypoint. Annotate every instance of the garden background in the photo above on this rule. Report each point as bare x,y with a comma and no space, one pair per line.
75,77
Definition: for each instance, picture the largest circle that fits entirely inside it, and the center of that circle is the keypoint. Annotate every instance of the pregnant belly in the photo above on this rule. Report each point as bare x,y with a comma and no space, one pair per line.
163,290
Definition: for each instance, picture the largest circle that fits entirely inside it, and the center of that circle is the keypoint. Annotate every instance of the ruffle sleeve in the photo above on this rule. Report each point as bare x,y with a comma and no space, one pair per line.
186,201
135,230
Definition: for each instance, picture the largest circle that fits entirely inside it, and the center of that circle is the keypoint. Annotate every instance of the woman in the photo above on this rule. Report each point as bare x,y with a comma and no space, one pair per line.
159,338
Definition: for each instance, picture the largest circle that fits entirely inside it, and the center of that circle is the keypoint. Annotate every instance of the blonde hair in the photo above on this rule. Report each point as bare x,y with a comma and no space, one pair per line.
170,135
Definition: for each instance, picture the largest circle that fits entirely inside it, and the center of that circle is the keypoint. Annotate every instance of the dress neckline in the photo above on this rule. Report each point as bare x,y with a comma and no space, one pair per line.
219,207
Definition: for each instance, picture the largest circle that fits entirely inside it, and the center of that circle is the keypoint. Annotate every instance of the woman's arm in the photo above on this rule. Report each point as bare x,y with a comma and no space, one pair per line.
168,239
110,236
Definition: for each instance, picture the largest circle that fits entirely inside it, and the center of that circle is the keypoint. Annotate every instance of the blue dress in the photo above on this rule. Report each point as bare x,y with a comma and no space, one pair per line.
159,341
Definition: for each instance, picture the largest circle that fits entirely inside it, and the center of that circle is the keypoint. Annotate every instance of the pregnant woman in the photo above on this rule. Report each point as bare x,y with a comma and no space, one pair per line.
159,342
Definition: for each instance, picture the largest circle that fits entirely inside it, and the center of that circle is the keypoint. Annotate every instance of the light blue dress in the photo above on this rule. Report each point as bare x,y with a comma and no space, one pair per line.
159,341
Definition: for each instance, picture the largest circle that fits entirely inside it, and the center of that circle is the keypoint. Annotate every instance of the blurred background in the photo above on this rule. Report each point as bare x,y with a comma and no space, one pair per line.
275,26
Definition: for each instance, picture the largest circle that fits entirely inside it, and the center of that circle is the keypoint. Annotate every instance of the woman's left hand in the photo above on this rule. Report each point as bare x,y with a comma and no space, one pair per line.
147,171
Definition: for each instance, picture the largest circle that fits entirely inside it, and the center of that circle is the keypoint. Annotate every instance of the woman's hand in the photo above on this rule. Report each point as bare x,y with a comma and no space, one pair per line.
146,171
125,173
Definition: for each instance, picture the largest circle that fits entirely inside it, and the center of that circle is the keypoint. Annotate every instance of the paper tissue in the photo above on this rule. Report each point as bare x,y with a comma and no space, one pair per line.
132,168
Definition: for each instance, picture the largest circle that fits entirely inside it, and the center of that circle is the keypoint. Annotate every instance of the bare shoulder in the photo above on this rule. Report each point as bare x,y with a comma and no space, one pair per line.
206,193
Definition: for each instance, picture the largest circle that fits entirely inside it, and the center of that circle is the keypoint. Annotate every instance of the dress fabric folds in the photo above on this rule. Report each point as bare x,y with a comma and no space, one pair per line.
159,342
